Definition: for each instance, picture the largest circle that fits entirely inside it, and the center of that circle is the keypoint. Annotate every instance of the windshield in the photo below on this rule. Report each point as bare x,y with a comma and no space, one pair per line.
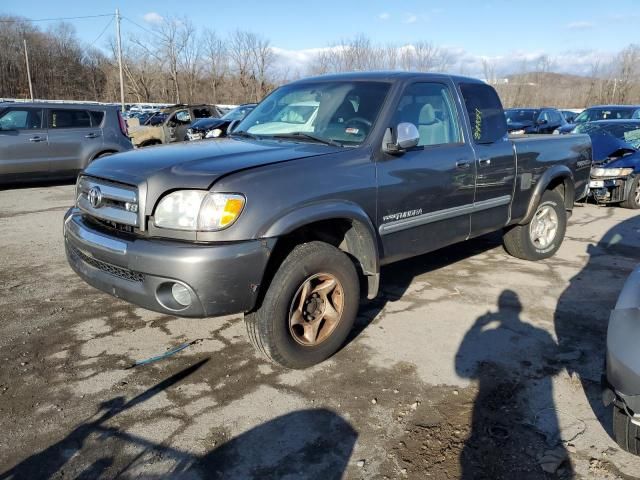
516,116
627,132
341,111
237,113
593,114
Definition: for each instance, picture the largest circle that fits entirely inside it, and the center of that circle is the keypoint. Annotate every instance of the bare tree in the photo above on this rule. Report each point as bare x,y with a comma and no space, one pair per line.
217,62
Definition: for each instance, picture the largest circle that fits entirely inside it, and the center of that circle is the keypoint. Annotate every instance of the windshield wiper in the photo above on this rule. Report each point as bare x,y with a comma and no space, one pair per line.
242,133
308,136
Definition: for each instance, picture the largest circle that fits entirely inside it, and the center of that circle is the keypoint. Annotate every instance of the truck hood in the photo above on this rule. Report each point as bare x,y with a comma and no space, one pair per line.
199,164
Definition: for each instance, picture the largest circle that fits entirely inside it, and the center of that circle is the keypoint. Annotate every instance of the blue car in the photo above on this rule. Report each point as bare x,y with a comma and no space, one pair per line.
615,176
602,112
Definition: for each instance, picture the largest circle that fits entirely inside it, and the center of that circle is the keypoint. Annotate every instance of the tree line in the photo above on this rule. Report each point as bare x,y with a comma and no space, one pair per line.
172,61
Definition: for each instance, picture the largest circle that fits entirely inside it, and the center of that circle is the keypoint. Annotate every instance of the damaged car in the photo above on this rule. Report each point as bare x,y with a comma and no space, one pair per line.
173,127
217,127
615,176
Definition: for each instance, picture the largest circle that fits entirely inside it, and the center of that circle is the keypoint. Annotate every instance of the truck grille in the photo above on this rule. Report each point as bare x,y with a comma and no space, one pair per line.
112,202
114,270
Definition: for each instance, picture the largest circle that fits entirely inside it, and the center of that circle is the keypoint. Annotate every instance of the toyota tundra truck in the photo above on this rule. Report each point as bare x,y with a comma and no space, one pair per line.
289,220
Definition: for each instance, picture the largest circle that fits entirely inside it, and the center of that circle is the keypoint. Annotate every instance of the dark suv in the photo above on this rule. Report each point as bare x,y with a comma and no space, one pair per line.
54,140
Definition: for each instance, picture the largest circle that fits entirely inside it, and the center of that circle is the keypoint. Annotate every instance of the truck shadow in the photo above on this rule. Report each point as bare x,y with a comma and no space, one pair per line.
312,443
397,277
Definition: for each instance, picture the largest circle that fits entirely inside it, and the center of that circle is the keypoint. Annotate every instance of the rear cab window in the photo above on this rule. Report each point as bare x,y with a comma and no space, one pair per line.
486,115
69,118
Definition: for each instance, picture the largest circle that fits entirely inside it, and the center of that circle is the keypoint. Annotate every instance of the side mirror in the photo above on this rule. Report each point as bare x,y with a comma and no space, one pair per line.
542,122
407,136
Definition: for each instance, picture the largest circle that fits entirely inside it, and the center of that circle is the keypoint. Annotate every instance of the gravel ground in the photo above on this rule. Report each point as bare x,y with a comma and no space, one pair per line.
470,364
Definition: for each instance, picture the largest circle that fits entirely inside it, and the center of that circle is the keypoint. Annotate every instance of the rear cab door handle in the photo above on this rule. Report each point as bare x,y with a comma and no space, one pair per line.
92,135
484,162
38,138
462,164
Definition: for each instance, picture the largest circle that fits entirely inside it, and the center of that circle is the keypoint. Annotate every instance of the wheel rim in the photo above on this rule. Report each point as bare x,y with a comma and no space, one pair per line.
637,194
316,309
544,226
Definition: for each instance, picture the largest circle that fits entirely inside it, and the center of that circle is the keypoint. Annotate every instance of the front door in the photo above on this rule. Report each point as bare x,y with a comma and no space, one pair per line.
425,196
24,148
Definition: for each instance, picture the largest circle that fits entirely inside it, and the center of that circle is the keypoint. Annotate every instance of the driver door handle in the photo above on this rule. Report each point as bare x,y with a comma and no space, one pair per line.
484,162
462,164
37,139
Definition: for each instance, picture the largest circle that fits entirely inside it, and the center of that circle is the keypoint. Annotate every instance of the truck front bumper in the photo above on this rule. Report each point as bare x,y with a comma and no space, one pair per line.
610,190
623,341
212,279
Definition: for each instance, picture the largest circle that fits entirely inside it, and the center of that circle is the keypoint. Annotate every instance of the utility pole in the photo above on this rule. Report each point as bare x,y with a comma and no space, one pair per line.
26,59
119,42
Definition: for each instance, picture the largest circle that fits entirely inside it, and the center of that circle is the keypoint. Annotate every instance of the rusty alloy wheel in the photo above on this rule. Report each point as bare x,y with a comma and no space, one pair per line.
316,309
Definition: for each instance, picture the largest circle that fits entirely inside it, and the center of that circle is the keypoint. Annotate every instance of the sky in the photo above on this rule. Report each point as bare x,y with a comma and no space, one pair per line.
573,32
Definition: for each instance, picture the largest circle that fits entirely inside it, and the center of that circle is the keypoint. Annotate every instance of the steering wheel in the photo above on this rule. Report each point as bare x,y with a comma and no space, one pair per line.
360,120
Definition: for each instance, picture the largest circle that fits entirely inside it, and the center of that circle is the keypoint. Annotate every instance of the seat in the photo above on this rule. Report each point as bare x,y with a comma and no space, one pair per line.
432,130
344,113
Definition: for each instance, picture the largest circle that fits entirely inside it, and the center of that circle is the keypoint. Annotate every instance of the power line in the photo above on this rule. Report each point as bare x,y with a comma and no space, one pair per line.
55,19
143,28
101,33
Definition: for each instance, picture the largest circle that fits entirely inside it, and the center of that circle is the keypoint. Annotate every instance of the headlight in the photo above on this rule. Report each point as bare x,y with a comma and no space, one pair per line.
198,210
517,132
215,133
611,172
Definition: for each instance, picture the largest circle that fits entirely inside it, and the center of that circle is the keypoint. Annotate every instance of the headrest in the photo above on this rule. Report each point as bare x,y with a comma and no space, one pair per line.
427,114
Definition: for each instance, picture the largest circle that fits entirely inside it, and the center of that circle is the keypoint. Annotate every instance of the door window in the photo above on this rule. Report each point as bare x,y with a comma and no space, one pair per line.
69,119
182,117
488,123
430,107
201,113
21,119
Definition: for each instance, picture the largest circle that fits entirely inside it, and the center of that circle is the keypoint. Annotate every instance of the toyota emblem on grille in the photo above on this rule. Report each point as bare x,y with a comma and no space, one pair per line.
95,197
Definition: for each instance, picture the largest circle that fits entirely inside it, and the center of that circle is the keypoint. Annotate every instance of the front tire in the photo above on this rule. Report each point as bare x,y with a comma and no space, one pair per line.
309,307
625,433
633,199
542,236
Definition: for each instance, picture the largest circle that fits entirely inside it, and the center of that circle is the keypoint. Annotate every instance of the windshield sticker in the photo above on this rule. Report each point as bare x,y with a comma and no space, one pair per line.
351,130
477,128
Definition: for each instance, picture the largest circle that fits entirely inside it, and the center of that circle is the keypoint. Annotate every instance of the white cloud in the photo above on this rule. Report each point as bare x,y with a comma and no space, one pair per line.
152,17
411,18
384,16
577,62
580,25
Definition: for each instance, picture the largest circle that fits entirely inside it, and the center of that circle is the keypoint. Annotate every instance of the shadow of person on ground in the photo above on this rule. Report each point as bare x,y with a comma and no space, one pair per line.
582,312
314,443
506,357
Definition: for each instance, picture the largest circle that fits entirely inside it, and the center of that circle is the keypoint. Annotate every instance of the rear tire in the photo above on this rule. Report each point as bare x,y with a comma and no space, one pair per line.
625,433
633,200
278,328
542,236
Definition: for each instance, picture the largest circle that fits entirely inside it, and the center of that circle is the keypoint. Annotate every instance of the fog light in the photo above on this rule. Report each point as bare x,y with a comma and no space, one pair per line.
181,294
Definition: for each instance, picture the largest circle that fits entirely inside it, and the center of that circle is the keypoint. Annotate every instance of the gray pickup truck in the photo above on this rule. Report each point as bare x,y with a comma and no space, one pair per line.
290,218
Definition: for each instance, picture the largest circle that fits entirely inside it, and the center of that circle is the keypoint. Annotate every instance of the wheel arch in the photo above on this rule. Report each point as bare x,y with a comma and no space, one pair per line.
342,224
558,177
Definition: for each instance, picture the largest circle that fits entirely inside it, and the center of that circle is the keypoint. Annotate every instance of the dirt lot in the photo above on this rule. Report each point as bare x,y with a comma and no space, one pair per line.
472,364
